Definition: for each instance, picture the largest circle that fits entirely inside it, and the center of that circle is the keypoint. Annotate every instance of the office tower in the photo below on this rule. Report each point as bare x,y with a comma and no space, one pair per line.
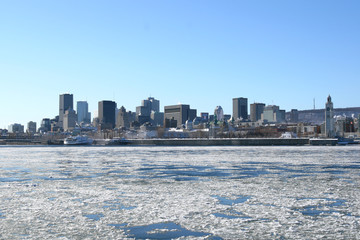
106,113
294,116
240,109
143,112
31,127
219,113
124,118
177,115
83,114
65,103
273,114
256,109
329,118
69,121
16,128
45,125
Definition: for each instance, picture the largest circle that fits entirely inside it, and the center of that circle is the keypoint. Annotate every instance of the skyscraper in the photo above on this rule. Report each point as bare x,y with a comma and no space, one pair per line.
65,103
83,114
256,109
106,113
144,112
240,108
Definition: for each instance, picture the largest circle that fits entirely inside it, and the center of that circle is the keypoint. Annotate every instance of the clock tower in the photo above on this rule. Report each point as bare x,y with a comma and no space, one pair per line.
329,118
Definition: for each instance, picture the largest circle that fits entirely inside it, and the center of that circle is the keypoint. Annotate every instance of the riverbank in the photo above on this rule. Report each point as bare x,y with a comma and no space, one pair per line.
193,142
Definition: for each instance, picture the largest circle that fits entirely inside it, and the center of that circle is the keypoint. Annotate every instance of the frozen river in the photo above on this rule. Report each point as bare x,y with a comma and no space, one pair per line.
179,192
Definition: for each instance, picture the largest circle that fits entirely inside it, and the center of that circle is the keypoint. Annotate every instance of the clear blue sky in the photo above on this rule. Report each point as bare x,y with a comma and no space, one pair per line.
202,53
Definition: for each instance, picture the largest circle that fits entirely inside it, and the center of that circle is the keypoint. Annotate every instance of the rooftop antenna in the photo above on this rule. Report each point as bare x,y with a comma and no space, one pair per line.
314,103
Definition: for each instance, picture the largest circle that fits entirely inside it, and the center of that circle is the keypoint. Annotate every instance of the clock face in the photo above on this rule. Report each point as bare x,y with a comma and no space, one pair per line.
327,109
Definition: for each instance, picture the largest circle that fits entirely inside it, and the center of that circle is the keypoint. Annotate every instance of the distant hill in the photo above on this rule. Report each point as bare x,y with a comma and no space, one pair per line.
317,116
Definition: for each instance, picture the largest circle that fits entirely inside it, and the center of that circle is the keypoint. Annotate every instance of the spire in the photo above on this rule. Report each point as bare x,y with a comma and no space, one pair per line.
329,99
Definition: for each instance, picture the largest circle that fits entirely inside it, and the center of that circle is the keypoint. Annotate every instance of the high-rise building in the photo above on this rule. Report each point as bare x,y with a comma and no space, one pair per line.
31,127
240,108
219,113
16,128
177,115
65,103
106,114
124,118
83,114
329,118
273,114
144,112
294,116
256,109
45,125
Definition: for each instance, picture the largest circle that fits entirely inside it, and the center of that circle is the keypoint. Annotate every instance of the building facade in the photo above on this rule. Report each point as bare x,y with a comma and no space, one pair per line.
240,108
106,112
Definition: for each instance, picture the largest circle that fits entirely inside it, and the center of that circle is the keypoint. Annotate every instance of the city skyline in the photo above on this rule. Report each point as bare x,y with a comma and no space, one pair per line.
202,54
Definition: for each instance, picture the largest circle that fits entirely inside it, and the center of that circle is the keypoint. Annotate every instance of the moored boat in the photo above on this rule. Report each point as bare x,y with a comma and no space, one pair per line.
78,140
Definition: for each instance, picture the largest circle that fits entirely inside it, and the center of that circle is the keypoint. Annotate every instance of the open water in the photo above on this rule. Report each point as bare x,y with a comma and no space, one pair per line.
179,192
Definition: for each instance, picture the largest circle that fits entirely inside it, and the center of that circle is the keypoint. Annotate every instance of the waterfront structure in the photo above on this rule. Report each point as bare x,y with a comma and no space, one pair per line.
176,115
240,108
219,113
329,118
16,128
256,109
106,112
273,114
65,103
31,127
83,114
69,121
